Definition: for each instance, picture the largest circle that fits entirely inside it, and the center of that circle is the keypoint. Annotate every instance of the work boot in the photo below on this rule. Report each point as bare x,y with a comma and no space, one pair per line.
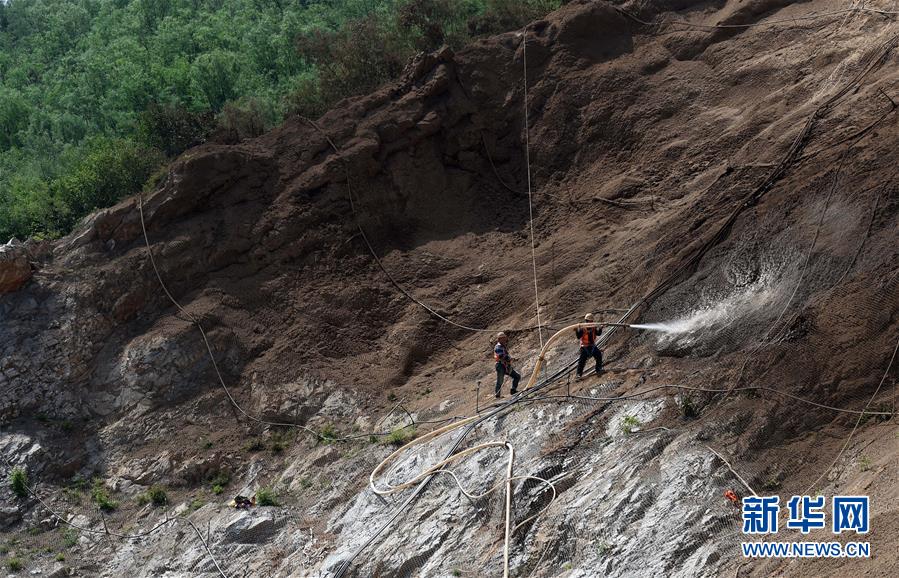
578,377
497,396
514,391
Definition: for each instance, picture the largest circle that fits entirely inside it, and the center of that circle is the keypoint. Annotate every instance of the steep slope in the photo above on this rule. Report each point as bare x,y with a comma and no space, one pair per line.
737,183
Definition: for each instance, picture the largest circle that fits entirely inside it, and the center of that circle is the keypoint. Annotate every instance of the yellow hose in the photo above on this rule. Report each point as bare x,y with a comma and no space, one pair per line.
552,340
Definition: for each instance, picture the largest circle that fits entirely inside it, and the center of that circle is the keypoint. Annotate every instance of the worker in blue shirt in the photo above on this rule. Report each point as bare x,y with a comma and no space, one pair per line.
504,365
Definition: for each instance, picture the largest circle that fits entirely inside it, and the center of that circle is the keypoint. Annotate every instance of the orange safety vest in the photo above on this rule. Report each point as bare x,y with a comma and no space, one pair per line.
732,496
588,336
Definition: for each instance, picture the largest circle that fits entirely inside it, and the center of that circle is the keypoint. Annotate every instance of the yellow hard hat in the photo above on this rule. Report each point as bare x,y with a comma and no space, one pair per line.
500,335
588,317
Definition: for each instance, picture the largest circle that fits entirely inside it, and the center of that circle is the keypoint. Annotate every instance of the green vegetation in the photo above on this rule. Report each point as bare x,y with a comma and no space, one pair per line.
266,497
60,557
18,481
629,423
219,481
688,407
278,442
328,434
95,95
196,504
882,413
69,537
864,463
771,483
400,436
14,564
155,495
254,445
101,498
75,490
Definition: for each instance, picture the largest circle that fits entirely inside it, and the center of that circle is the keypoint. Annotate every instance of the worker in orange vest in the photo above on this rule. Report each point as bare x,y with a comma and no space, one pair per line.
587,337
504,365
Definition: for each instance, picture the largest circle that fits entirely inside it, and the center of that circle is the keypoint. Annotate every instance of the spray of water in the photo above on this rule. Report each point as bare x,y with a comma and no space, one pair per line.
714,314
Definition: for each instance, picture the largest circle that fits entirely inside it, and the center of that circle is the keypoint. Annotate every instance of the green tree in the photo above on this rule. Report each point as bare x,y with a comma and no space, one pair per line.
215,77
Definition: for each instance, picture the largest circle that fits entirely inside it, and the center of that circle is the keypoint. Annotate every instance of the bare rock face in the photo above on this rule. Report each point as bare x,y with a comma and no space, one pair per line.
15,269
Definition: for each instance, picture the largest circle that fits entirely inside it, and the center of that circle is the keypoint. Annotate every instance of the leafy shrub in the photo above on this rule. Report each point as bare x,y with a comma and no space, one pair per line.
112,169
328,434
219,481
771,483
102,499
266,497
278,441
18,481
69,537
629,423
215,76
14,564
254,445
173,128
688,407
245,119
157,495
432,23
400,436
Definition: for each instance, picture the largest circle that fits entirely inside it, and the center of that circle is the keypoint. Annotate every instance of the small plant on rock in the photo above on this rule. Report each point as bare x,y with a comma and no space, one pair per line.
400,436
102,499
155,495
278,443
219,481
328,434
18,481
69,537
864,463
14,564
771,483
688,407
254,445
629,423
266,497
